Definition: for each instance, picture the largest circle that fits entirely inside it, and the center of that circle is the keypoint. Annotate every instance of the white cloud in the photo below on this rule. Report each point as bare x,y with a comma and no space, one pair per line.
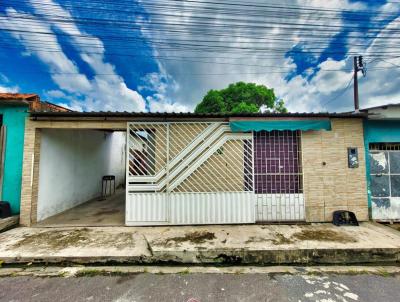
195,78
160,84
109,90
180,84
381,85
12,89
6,85
105,91
56,60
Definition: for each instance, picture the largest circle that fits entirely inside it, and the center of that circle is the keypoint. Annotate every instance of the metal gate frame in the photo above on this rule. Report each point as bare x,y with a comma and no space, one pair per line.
286,210
155,204
151,203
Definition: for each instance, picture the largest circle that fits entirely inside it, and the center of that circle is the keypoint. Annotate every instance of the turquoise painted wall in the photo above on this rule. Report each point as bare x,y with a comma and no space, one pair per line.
379,132
14,120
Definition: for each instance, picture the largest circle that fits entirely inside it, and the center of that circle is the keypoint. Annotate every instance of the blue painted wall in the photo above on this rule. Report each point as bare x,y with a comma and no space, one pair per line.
14,120
379,132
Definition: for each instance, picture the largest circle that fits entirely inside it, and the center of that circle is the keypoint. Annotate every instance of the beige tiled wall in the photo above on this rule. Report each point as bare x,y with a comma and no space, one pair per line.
334,186
30,186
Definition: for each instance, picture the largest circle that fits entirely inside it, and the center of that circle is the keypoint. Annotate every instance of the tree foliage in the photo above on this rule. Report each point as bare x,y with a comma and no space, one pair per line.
240,98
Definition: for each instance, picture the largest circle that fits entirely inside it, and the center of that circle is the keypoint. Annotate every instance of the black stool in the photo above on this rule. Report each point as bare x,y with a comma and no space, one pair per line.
5,209
344,218
108,181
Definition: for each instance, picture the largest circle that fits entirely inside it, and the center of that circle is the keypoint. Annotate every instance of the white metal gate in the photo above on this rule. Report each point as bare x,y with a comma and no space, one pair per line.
384,160
188,173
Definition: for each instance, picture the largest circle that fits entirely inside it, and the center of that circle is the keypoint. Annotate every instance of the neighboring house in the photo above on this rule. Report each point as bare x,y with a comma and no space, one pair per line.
382,144
186,168
14,108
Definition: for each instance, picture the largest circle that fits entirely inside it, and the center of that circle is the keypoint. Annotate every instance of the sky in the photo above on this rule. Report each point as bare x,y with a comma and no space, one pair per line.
164,55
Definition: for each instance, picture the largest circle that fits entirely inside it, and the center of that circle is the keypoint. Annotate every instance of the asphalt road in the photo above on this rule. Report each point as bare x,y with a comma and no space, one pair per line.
202,287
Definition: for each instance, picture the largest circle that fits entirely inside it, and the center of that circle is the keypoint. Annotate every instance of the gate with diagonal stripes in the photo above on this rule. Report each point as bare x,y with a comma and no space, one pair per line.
188,173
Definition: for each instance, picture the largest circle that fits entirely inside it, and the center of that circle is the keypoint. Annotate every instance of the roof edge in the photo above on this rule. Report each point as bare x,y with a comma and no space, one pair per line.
104,115
380,107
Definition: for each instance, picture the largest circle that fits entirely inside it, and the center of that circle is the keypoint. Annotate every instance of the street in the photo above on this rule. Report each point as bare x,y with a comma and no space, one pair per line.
196,287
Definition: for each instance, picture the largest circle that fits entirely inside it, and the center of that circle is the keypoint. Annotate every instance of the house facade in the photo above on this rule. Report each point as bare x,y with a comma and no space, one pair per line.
382,145
14,109
183,169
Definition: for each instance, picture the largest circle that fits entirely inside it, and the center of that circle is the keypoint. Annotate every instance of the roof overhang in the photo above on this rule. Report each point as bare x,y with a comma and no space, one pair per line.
292,125
150,116
14,102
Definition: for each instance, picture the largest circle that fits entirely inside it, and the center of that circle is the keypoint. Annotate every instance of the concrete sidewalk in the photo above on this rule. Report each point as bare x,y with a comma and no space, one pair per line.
246,244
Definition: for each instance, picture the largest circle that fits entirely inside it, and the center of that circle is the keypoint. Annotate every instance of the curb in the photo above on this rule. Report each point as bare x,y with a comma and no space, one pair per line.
91,271
231,257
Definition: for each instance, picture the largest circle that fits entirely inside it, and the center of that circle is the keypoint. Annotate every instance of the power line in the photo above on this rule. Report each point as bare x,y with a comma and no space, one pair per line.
228,8
340,93
226,5
197,74
208,19
390,63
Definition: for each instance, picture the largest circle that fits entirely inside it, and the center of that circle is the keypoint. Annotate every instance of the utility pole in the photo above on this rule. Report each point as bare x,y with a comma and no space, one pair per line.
356,101
358,66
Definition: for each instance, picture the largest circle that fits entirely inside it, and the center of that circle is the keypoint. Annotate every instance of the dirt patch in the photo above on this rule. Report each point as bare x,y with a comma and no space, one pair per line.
323,235
278,240
317,235
197,237
395,226
56,240
255,239
107,212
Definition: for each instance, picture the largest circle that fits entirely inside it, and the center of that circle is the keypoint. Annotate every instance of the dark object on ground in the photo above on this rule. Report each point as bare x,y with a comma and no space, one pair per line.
5,209
344,218
108,182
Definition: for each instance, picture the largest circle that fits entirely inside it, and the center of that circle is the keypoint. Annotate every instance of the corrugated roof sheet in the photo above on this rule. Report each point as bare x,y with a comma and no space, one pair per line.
17,96
194,115
381,106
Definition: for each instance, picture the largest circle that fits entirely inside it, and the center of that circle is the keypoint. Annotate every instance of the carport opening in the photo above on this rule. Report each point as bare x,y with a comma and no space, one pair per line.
71,170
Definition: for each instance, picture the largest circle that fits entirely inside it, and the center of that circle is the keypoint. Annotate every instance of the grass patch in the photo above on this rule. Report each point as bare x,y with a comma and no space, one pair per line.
99,272
385,273
239,271
184,272
196,237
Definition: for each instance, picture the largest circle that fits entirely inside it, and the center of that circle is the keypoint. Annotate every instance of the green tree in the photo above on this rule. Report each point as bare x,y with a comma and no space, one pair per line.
280,106
240,98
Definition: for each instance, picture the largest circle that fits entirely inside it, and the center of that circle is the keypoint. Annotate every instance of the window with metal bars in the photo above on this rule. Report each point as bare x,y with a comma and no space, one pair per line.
277,162
142,152
384,146
384,166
